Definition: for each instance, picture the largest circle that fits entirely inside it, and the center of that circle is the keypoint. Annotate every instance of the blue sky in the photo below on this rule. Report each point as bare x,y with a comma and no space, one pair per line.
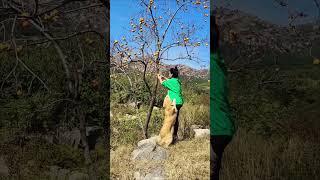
122,10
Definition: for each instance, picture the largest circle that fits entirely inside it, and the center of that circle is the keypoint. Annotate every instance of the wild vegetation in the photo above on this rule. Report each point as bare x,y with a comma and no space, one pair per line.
53,76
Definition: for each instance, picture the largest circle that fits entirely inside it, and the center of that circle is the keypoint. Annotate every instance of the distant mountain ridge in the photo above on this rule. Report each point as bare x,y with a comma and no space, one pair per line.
252,31
188,71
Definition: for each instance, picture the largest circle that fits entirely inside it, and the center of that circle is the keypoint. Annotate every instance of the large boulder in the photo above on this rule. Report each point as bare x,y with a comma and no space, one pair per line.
201,133
148,150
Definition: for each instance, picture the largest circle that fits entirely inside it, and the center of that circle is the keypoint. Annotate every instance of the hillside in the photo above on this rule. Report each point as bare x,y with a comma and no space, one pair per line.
260,34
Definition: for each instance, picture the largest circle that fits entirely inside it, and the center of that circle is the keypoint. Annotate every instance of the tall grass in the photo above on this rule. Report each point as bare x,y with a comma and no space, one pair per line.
252,157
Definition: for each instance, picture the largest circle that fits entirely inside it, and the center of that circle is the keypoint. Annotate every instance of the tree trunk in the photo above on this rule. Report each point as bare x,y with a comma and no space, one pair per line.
152,101
85,143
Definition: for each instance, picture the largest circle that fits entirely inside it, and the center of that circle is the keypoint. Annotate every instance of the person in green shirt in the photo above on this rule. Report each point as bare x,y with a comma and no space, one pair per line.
221,124
173,85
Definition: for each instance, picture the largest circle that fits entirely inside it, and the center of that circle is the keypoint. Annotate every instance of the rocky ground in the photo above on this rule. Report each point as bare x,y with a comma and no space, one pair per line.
148,161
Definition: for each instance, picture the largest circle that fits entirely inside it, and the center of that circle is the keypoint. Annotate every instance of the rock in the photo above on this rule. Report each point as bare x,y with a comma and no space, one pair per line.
143,151
195,126
148,150
151,140
70,138
73,138
78,176
4,170
156,108
201,133
135,104
159,154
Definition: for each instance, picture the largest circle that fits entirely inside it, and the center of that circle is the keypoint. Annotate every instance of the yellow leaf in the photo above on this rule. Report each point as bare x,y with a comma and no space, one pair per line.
141,21
19,92
316,61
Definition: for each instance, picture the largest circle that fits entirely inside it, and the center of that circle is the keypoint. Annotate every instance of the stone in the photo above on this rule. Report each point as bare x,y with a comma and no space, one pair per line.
151,140
143,151
156,108
135,104
148,150
4,169
73,138
201,133
195,126
159,154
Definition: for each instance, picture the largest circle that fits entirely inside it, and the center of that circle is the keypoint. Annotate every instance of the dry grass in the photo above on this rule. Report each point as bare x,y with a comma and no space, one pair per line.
252,157
187,160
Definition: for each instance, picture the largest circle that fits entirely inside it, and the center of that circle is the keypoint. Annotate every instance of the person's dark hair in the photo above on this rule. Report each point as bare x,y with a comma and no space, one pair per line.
175,72
215,34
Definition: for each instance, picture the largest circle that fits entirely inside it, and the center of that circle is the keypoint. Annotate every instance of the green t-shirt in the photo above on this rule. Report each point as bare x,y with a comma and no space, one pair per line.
174,89
221,122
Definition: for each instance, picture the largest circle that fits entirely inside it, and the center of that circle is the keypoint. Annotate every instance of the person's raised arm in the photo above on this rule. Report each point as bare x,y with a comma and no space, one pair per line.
161,78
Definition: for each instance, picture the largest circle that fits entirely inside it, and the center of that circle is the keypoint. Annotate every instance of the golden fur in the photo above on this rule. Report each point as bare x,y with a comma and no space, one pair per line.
170,113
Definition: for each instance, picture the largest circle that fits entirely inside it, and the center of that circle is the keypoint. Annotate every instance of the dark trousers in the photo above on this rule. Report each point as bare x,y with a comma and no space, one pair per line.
176,124
218,144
